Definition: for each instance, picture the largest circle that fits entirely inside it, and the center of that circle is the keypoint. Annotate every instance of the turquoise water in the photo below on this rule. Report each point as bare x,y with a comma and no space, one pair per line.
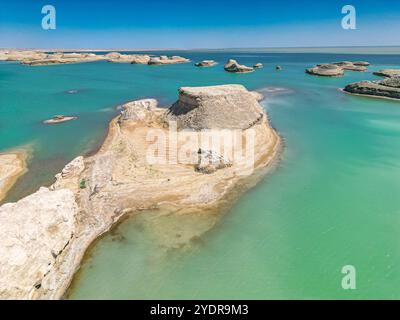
331,201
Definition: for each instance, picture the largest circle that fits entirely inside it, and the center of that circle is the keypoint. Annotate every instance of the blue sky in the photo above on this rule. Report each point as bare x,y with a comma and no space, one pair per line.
198,24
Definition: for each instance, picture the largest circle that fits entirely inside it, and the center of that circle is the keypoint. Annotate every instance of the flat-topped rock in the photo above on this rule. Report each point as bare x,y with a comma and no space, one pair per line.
337,69
258,65
388,73
206,63
225,106
326,70
387,88
348,65
33,234
233,66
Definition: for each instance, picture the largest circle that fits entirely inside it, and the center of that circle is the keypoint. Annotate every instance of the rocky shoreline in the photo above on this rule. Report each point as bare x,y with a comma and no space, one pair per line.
39,58
91,194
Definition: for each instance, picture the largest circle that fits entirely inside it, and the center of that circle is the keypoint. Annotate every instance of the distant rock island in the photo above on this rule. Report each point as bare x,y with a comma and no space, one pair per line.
388,73
337,69
233,66
206,63
38,58
45,235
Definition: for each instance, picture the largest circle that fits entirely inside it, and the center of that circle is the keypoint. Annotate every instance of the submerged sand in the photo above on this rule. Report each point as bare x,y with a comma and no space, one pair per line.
12,166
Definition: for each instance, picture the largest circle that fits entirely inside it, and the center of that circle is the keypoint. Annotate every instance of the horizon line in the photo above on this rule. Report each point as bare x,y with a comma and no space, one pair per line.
194,48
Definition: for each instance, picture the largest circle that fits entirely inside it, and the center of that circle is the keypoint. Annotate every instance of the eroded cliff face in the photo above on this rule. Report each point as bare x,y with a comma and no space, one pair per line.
34,232
143,164
223,107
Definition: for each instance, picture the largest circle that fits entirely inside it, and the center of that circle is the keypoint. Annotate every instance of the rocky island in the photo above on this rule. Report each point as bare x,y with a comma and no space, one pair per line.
388,73
387,88
326,70
206,63
233,66
336,69
45,235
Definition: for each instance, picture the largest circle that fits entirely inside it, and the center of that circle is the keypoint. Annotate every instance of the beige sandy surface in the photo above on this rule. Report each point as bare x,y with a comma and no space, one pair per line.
12,166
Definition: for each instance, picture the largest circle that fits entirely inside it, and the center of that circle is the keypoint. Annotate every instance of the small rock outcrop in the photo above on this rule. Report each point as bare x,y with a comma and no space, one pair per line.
326,70
210,161
225,106
233,66
278,68
258,65
206,63
59,119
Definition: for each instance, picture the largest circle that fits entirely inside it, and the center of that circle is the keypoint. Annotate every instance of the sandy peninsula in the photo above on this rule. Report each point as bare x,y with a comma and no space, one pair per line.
136,169
12,166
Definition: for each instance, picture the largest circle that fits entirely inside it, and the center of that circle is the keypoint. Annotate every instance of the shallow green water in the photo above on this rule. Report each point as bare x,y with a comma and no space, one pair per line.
332,200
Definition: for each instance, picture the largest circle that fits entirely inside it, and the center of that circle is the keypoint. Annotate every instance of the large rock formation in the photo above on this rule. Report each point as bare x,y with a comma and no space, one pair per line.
33,233
233,66
143,164
227,106
388,73
387,88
